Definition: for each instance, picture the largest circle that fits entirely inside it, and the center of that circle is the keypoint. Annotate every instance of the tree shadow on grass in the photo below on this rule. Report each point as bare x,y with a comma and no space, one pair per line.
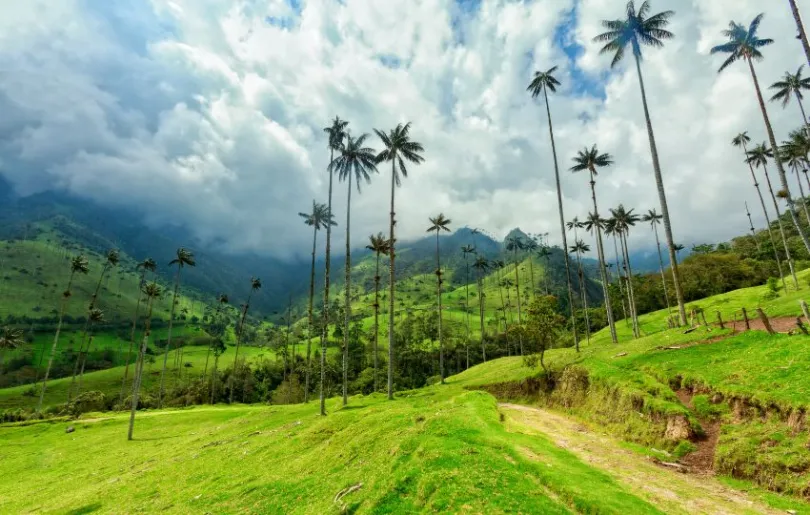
89,508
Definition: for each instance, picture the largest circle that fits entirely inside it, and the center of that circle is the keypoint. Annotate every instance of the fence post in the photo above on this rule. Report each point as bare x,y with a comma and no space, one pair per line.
800,325
745,318
805,311
720,321
765,321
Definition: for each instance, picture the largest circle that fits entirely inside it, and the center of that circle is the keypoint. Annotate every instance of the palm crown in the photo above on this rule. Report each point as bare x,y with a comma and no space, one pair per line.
223,298
624,219
439,223
580,247
481,264
147,264
743,43
653,217
378,244
791,85
319,217
184,258
797,147
591,159
96,315
741,139
573,224
152,290
543,80
112,257
11,338
80,264
255,283
355,160
759,155
513,243
399,148
592,221
468,249
637,29
336,132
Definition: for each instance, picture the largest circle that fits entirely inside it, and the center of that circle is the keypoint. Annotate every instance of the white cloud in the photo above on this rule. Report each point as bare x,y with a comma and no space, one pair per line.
209,113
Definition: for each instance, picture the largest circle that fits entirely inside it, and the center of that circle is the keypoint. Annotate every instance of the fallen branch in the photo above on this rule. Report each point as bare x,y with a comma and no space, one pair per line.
338,500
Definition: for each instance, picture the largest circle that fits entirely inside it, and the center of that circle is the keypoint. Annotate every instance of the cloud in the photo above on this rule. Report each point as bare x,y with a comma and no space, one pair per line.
209,113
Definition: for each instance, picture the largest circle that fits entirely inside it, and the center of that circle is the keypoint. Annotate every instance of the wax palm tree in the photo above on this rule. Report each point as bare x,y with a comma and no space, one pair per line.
152,292
354,162
147,265
10,339
799,142
319,218
544,253
336,137
378,244
795,152
543,82
79,265
592,223
438,224
758,158
590,160
624,220
111,260
506,306
579,247
95,316
744,44
183,258
751,228
467,250
637,29
481,266
255,285
399,150
678,249
791,86
515,244
531,246
222,300
654,219
612,231
742,140
802,35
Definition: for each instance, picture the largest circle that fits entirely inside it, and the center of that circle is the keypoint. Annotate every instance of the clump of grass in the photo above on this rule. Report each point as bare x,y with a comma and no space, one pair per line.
683,448
706,410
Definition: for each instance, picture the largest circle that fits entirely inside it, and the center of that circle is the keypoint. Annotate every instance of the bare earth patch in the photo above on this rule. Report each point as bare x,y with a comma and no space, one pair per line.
672,491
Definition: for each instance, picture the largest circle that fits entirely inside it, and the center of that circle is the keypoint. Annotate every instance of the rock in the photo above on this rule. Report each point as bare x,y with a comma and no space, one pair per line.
69,429
678,428
620,355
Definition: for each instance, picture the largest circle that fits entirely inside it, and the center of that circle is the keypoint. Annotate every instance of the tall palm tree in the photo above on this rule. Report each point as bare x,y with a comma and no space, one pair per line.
481,266
744,44
796,155
802,36
758,157
751,228
354,162
531,246
378,244
589,160
336,136
741,140
255,285
80,265
222,300
544,253
654,219
506,307
399,149
624,220
612,231
514,245
543,82
592,223
678,249
10,339
96,316
467,250
111,260
152,292
579,247
147,265
638,29
791,86
183,258
319,218
799,143
438,224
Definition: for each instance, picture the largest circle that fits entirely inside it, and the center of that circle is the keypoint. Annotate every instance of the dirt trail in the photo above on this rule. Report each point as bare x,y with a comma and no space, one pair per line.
701,461
670,491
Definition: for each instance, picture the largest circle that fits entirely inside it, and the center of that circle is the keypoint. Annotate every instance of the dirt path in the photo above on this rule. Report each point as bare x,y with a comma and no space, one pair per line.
701,461
671,491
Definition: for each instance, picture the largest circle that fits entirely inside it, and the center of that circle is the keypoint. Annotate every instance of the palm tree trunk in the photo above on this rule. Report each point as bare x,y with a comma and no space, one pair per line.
169,335
348,295
239,333
81,372
531,273
136,381
767,219
584,296
661,267
80,358
467,307
662,197
800,27
391,286
439,299
562,223
376,322
781,229
309,313
325,321
131,338
602,268
621,287
481,316
801,192
779,167
633,310
517,294
214,377
55,343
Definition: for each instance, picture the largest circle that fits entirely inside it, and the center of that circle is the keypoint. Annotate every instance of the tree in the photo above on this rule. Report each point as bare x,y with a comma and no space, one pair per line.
10,339
589,160
95,316
791,86
216,329
514,245
544,82
758,158
152,292
499,265
741,140
544,253
531,246
437,225
638,29
467,250
183,258
354,162
111,260
319,218
481,266
744,44
795,152
611,230
624,220
255,285
579,247
678,249
336,135
80,265
399,149
654,219
800,26
544,325
378,244
147,265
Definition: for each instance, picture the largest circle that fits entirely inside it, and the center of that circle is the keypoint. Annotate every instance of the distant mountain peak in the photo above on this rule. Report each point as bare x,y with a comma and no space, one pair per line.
517,233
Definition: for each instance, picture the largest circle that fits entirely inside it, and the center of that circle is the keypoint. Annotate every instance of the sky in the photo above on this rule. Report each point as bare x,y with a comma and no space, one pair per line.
209,114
